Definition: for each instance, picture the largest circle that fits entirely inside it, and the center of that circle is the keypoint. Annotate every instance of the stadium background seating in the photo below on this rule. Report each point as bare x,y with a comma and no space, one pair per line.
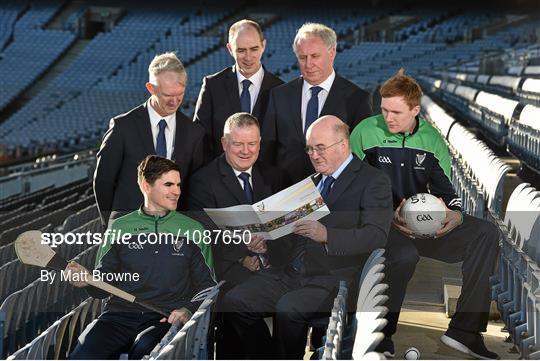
67,74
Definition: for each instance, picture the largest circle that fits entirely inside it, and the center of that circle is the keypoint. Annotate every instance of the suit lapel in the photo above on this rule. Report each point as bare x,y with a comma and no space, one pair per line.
316,178
261,190
232,90
334,97
344,179
295,107
180,137
266,85
144,128
230,180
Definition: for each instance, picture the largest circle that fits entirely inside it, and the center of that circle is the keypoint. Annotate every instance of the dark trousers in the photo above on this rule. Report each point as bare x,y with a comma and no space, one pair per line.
114,333
291,301
226,347
475,243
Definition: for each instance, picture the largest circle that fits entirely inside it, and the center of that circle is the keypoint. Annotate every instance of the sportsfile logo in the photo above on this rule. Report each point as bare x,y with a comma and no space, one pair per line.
384,159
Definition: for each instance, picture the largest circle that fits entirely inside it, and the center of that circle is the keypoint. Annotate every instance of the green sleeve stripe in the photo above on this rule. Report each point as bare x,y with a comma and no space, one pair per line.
444,161
103,249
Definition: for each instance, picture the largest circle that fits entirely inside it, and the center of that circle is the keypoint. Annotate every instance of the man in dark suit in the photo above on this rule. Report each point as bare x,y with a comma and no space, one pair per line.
234,178
243,87
294,106
155,127
332,249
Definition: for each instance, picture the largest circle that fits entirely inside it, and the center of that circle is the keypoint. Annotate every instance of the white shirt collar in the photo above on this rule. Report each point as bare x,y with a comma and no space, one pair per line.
326,84
155,117
256,79
237,172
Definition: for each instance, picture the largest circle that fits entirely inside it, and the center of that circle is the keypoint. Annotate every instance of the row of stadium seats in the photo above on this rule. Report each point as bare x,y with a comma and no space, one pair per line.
73,221
191,342
23,180
477,173
454,29
64,116
53,214
27,274
505,121
336,326
40,304
516,284
58,340
67,115
526,90
357,336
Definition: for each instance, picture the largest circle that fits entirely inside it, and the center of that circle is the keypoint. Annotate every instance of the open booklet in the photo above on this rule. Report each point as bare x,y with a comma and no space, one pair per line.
276,215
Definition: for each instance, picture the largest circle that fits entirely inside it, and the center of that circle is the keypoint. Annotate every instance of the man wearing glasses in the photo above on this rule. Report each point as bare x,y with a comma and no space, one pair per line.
360,200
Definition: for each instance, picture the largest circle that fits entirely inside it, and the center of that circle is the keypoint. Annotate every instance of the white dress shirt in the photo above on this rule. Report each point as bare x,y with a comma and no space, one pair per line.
248,171
336,174
323,94
255,87
170,129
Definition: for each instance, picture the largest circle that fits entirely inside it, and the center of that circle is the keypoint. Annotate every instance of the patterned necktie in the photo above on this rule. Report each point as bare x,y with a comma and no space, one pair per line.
326,187
312,111
245,97
161,143
248,192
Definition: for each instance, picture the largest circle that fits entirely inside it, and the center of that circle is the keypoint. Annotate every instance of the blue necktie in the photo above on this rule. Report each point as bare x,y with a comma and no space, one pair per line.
161,143
245,97
248,192
326,187
312,111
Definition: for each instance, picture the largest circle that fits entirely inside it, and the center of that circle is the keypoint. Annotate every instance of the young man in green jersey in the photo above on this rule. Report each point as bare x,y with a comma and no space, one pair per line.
171,264
416,158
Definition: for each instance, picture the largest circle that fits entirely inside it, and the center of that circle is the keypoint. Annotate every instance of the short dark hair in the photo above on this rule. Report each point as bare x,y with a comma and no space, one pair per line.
153,166
240,120
402,85
233,30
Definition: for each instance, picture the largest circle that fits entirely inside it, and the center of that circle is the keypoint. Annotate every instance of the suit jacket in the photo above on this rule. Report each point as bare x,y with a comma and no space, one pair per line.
219,99
361,212
128,141
283,138
216,186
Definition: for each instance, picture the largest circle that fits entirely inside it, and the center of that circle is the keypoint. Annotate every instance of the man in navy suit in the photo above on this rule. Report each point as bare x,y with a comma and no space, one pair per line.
243,87
359,197
155,127
233,178
294,106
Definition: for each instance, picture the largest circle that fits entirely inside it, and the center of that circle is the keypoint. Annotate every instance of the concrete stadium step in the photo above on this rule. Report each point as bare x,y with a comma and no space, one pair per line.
57,22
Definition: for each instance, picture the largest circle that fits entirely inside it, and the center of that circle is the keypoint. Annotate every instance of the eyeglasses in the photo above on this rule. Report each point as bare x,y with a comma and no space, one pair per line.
320,149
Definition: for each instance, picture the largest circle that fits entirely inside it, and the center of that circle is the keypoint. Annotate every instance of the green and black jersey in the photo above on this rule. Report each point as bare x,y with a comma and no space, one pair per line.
417,162
171,264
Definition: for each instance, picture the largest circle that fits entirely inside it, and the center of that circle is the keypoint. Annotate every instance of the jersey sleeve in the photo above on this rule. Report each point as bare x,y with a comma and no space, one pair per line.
441,177
107,260
356,143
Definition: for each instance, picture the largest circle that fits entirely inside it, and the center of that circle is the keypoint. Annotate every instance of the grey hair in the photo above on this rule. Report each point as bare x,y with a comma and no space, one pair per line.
326,34
239,120
165,62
